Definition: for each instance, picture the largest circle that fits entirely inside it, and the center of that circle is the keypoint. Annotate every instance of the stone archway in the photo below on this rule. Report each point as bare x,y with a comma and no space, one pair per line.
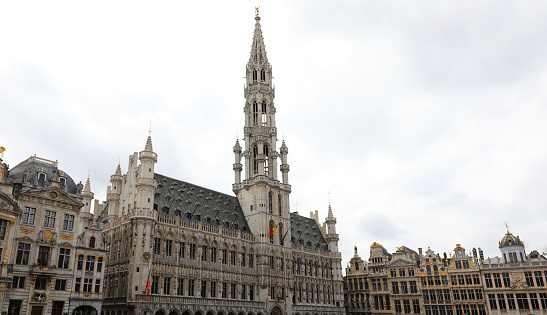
85,310
173,312
160,312
276,311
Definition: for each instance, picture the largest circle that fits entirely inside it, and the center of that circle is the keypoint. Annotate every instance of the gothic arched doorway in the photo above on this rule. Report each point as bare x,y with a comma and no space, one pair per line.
85,310
276,311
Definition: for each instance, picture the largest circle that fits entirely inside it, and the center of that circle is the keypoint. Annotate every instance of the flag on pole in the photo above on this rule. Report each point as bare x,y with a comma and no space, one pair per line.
283,239
272,231
149,281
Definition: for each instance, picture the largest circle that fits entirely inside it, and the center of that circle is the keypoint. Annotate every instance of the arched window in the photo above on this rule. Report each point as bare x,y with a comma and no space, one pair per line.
92,242
266,161
262,75
279,203
255,162
255,113
62,181
254,75
428,269
264,119
436,269
42,177
270,202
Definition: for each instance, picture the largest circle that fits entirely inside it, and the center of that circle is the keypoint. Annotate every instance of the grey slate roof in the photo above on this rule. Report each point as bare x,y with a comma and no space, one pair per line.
36,165
182,199
306,232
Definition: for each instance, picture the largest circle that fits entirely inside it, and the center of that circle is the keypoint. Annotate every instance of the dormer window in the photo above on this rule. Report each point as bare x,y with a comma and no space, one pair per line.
41,177
92,242
62,181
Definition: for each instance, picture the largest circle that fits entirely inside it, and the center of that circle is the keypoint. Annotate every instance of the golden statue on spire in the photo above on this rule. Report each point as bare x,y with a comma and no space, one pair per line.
256,10
506,226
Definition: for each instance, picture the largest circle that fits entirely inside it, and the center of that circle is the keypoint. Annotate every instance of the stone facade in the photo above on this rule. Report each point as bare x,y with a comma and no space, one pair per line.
178,248
464,283
43,217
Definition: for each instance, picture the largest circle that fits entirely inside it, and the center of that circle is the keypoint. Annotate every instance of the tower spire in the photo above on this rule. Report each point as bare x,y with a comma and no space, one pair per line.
258,49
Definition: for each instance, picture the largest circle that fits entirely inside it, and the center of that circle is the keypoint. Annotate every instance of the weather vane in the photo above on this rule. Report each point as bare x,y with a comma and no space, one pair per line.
506,226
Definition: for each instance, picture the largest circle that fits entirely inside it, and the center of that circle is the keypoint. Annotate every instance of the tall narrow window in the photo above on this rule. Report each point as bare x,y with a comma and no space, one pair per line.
279,204
3,227
92,242
264,119
255,162
280,228
270,202
262,75
255,75
255,113
64,255
266,160
90,263
43,256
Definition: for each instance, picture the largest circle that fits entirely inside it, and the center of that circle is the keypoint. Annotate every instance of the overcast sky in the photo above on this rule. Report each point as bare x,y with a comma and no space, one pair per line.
426,120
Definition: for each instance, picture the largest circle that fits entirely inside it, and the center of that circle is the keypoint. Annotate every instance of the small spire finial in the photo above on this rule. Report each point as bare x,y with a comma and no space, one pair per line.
329,197
256,11
506,226
89,172
150,128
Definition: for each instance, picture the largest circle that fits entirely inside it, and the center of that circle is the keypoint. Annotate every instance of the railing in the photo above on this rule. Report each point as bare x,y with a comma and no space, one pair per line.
168,299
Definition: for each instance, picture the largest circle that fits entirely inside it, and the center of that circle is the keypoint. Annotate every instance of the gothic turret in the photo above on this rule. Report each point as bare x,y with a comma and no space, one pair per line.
332,238
87,196
145,182
113,193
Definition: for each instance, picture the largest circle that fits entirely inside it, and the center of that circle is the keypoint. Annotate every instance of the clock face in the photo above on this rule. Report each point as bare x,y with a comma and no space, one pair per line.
146,256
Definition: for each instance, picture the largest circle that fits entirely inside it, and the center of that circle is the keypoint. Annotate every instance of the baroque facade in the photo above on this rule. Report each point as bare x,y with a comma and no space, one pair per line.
45,232
464,283
178,248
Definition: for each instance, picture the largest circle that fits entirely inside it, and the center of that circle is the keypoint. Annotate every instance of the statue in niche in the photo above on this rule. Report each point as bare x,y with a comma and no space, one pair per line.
79,188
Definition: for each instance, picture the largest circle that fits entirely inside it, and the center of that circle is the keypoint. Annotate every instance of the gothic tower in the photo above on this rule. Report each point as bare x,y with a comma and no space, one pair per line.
263,197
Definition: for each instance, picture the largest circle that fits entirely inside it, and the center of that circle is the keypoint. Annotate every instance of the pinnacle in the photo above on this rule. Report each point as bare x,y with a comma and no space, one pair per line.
118,170
148,146
330,212
87,187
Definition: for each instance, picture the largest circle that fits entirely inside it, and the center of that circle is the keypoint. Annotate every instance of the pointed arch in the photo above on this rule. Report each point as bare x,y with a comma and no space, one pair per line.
255,75
262,75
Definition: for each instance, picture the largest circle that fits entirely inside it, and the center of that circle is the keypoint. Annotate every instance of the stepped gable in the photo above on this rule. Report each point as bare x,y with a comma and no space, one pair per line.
306,232
182,199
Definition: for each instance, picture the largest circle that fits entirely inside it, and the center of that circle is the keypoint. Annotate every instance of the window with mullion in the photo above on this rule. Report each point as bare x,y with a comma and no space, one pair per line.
68,222
49,219
64,257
